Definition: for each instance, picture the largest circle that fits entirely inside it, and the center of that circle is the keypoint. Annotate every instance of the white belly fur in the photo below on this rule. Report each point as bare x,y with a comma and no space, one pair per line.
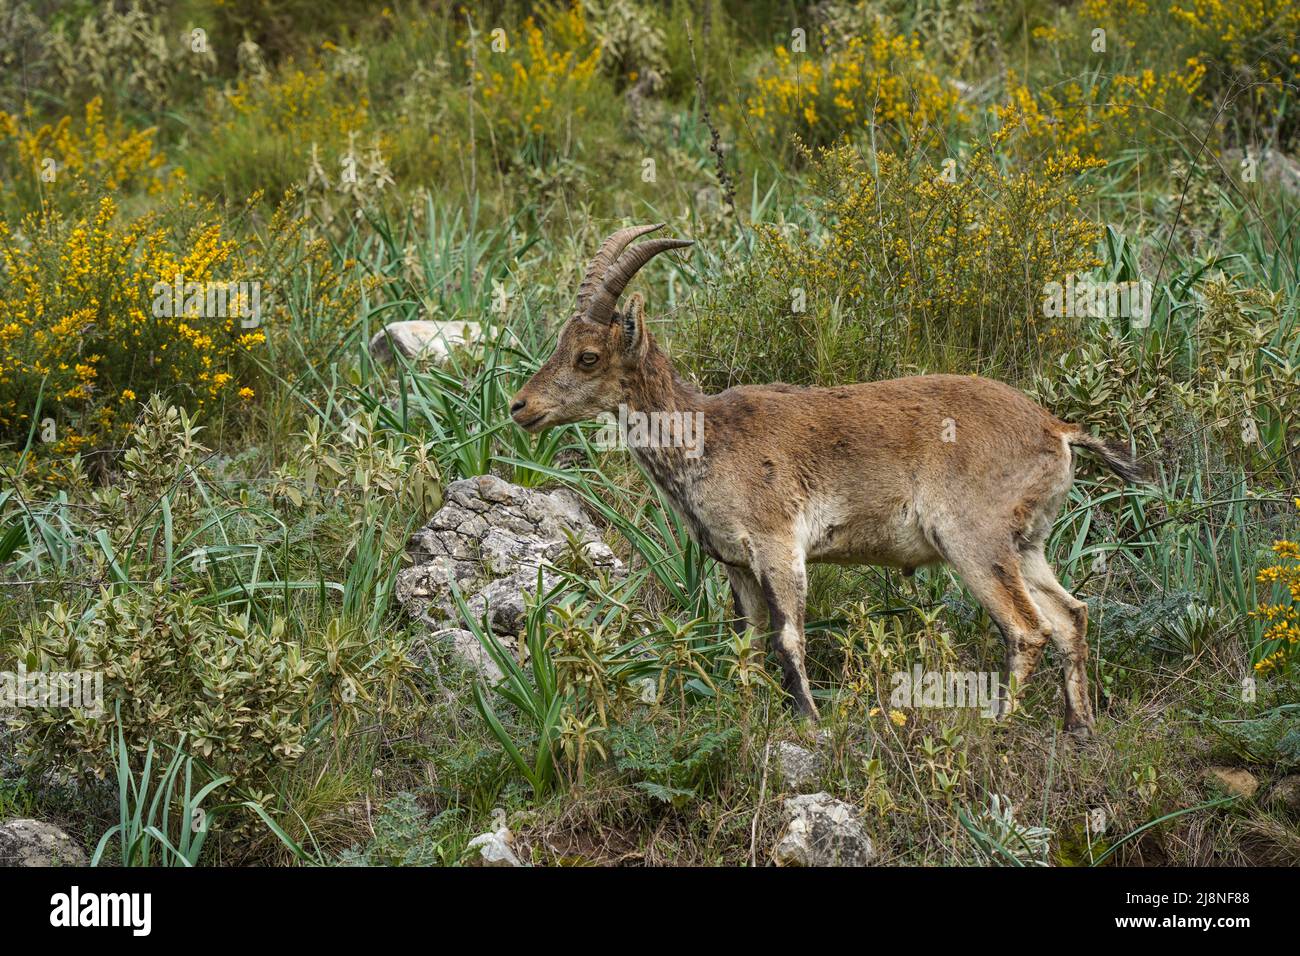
827,534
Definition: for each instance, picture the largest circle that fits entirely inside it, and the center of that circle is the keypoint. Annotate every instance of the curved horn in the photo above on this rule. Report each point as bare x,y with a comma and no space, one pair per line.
622,271
604,257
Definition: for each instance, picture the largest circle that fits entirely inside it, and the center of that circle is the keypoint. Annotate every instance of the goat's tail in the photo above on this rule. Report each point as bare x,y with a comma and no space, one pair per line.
1115,455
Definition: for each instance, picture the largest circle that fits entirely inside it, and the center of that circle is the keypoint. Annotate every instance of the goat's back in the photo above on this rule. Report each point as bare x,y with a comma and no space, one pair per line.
936,444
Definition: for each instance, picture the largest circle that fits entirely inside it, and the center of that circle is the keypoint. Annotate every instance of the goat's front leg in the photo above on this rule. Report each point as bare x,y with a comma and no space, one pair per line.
783,580
751,608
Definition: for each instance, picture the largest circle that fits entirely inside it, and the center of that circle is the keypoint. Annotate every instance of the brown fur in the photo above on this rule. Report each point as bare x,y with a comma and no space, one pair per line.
904,473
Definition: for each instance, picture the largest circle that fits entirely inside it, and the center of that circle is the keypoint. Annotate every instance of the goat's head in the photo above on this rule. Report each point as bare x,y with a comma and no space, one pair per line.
599,347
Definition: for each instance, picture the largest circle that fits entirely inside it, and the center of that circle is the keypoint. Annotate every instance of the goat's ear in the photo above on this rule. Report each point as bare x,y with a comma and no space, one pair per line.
635,339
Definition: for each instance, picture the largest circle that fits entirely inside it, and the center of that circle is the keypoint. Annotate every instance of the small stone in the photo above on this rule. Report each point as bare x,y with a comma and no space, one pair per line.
496,847
823,831
1233,781
1286,793
33,843
800,768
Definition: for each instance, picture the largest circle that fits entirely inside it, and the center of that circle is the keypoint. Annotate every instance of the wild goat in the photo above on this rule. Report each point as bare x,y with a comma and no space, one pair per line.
905,473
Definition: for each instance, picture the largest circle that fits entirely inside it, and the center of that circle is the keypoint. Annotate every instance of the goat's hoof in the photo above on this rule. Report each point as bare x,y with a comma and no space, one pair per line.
1078,729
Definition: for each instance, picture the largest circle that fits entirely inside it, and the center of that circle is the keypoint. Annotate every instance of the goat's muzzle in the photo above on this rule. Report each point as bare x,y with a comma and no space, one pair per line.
526,414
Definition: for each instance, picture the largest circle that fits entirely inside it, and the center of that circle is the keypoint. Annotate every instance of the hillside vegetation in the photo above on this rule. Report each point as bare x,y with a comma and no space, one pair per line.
212,511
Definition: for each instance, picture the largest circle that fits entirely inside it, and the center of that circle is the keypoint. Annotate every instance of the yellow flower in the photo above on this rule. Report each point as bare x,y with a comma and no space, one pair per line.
246,393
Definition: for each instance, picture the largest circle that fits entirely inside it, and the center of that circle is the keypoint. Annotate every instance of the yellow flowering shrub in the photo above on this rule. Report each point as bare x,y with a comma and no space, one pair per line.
1281,642
532,88
298,103
269,130
881,78
941,259
67,161
80,330
1090,118
1259,39
953,246
1246,47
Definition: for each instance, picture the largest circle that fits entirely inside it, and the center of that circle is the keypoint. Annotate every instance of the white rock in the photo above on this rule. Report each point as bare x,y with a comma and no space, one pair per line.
823,831
35,843
799,767
491,537
496,847
423,339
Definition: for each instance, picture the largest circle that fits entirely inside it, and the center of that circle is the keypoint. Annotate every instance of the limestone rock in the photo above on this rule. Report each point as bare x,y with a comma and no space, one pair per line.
801,768
491,538
33,843
423,339
823,831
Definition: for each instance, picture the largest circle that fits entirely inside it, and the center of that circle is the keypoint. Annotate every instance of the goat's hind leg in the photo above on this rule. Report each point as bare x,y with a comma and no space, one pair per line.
996,582
1069,618
783,582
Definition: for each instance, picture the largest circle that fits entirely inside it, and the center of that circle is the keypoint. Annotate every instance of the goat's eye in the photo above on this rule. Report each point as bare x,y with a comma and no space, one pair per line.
588,359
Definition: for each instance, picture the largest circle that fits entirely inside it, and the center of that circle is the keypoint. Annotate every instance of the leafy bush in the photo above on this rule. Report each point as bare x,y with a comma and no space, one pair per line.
238,691
1229,372
631,40
1111,382
361,473
131,56
939,269
242,689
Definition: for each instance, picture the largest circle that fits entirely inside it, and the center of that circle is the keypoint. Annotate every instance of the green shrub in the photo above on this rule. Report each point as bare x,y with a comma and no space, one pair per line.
240,693
185,649
910,269
405,836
